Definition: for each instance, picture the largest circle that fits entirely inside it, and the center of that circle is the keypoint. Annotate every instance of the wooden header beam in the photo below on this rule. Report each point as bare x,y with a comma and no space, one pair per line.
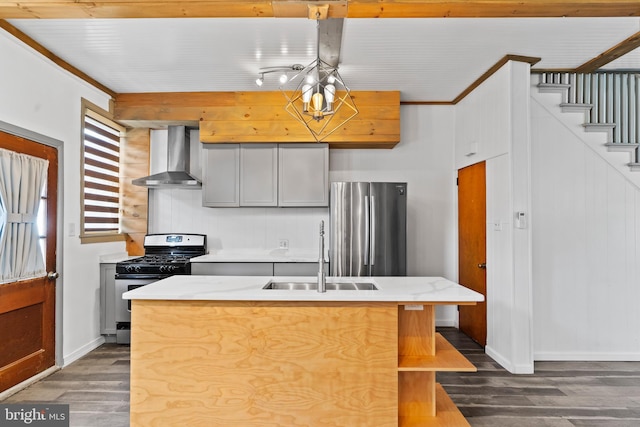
55,9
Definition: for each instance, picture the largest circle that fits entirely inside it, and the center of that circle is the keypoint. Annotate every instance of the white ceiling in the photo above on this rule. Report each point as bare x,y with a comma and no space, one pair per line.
426,59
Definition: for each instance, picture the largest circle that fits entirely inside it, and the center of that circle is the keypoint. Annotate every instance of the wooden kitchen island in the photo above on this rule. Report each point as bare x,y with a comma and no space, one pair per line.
222,351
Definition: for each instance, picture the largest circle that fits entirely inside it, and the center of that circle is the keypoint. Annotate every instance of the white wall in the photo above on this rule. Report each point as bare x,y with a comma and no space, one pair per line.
586,242
424,159
492,125
38,96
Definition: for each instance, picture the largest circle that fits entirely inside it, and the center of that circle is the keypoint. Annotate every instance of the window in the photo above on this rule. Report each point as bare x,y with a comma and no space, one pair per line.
42,223
100,177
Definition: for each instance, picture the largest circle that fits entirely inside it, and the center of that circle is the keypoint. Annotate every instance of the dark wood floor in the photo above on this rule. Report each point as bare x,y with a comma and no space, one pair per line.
559,394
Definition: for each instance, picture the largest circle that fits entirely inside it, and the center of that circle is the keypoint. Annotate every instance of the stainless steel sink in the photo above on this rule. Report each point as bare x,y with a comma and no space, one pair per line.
313,286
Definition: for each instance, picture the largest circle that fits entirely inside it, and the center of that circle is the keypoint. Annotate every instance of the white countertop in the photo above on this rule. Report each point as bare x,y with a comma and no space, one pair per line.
115,258
274,255
249,288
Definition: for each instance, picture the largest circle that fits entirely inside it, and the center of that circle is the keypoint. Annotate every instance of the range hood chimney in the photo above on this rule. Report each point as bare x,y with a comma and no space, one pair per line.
177,174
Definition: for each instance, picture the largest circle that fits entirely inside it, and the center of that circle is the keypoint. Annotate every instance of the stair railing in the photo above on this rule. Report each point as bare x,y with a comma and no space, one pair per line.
611,99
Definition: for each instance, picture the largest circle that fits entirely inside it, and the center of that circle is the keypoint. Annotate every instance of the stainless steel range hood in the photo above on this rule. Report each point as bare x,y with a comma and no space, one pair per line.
177,174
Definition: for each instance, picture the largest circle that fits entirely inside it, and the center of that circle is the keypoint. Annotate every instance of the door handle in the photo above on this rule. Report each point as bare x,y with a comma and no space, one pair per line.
367,243
482,265
373,230
53,275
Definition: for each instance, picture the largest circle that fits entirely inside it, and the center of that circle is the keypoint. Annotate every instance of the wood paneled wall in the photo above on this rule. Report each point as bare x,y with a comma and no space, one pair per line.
225,117
135,200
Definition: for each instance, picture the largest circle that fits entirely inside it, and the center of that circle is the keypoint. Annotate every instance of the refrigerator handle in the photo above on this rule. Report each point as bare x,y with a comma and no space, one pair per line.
373,229
366,227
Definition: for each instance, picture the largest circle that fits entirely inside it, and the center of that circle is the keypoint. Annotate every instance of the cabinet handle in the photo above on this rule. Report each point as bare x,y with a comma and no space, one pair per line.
482,265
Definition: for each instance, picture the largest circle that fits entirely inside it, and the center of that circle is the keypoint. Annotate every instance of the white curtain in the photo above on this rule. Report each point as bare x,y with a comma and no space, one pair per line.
22,178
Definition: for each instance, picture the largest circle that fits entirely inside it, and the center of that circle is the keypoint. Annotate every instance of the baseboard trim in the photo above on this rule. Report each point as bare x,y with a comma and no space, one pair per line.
26,383
446,323
551,356
502,361
82,351
519,369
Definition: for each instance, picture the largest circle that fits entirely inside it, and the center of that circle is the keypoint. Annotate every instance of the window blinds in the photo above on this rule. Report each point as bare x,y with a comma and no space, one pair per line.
101,177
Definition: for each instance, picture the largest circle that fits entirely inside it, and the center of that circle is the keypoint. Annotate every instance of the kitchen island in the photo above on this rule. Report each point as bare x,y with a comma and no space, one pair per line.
223,351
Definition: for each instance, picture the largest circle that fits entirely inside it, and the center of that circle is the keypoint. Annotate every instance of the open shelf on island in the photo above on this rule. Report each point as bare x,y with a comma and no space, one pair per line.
422,352
447,358
447,414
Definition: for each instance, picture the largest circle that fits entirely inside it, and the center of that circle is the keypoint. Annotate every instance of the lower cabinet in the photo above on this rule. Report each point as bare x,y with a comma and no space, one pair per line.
232,268
256,268
298,268
107,299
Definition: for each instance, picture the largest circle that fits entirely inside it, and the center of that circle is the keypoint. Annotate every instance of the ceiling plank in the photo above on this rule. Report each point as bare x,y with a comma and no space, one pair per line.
53,57
47,9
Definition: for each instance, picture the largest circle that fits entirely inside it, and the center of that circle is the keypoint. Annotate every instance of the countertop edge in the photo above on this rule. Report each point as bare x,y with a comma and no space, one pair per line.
406,290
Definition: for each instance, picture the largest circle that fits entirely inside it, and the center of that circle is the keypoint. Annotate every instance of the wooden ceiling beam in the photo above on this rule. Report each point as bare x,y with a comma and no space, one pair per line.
53,9
611,55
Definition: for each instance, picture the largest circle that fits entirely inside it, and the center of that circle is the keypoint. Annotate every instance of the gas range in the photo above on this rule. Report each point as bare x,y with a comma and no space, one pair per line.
165,255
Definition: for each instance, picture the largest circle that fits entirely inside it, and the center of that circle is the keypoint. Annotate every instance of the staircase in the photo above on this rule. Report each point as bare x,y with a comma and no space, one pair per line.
610,102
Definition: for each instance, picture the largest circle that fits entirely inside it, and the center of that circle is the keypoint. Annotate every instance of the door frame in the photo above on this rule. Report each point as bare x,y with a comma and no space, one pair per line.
59,145
470,273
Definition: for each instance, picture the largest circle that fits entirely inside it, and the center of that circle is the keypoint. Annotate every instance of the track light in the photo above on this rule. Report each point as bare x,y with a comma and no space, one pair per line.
284,76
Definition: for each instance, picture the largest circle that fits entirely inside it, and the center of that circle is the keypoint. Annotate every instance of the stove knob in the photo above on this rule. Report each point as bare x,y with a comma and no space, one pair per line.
137,269
163,268
129,268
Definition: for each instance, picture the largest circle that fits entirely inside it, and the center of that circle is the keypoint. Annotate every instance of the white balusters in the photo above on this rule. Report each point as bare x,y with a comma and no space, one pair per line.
614,97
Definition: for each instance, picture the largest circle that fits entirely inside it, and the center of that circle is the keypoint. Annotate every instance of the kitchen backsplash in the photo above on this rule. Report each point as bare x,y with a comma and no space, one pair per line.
181,211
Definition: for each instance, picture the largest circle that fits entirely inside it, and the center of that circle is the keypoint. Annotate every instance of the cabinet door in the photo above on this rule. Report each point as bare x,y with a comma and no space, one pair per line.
258,175
220,170
303,178
298,269
108,299
232,269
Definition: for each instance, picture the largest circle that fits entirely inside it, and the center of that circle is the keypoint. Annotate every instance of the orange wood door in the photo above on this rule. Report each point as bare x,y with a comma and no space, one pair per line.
472,250
27,307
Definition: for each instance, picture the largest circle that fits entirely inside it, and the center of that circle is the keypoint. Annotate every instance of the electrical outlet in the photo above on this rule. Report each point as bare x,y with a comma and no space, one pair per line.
283,244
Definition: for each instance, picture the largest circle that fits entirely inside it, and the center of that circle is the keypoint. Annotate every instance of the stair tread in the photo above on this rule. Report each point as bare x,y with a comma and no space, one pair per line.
554,85
576,104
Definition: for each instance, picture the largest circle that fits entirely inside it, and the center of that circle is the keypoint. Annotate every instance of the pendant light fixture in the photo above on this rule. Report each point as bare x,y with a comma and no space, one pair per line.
318,97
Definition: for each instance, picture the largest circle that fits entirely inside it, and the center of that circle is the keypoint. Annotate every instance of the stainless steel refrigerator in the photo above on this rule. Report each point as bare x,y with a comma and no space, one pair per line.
368,223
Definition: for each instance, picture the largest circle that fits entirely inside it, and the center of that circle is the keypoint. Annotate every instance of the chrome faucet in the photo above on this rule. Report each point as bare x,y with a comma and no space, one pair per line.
322,280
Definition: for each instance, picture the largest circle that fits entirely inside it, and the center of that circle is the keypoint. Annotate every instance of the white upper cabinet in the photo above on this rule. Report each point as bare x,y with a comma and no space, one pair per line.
292,175
221,168
303,175
258,175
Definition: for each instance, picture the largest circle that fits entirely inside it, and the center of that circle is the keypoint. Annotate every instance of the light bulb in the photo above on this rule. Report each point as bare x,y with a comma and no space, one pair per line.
310,79
259,81
331,79
283,78
306,97
316,104
330,95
